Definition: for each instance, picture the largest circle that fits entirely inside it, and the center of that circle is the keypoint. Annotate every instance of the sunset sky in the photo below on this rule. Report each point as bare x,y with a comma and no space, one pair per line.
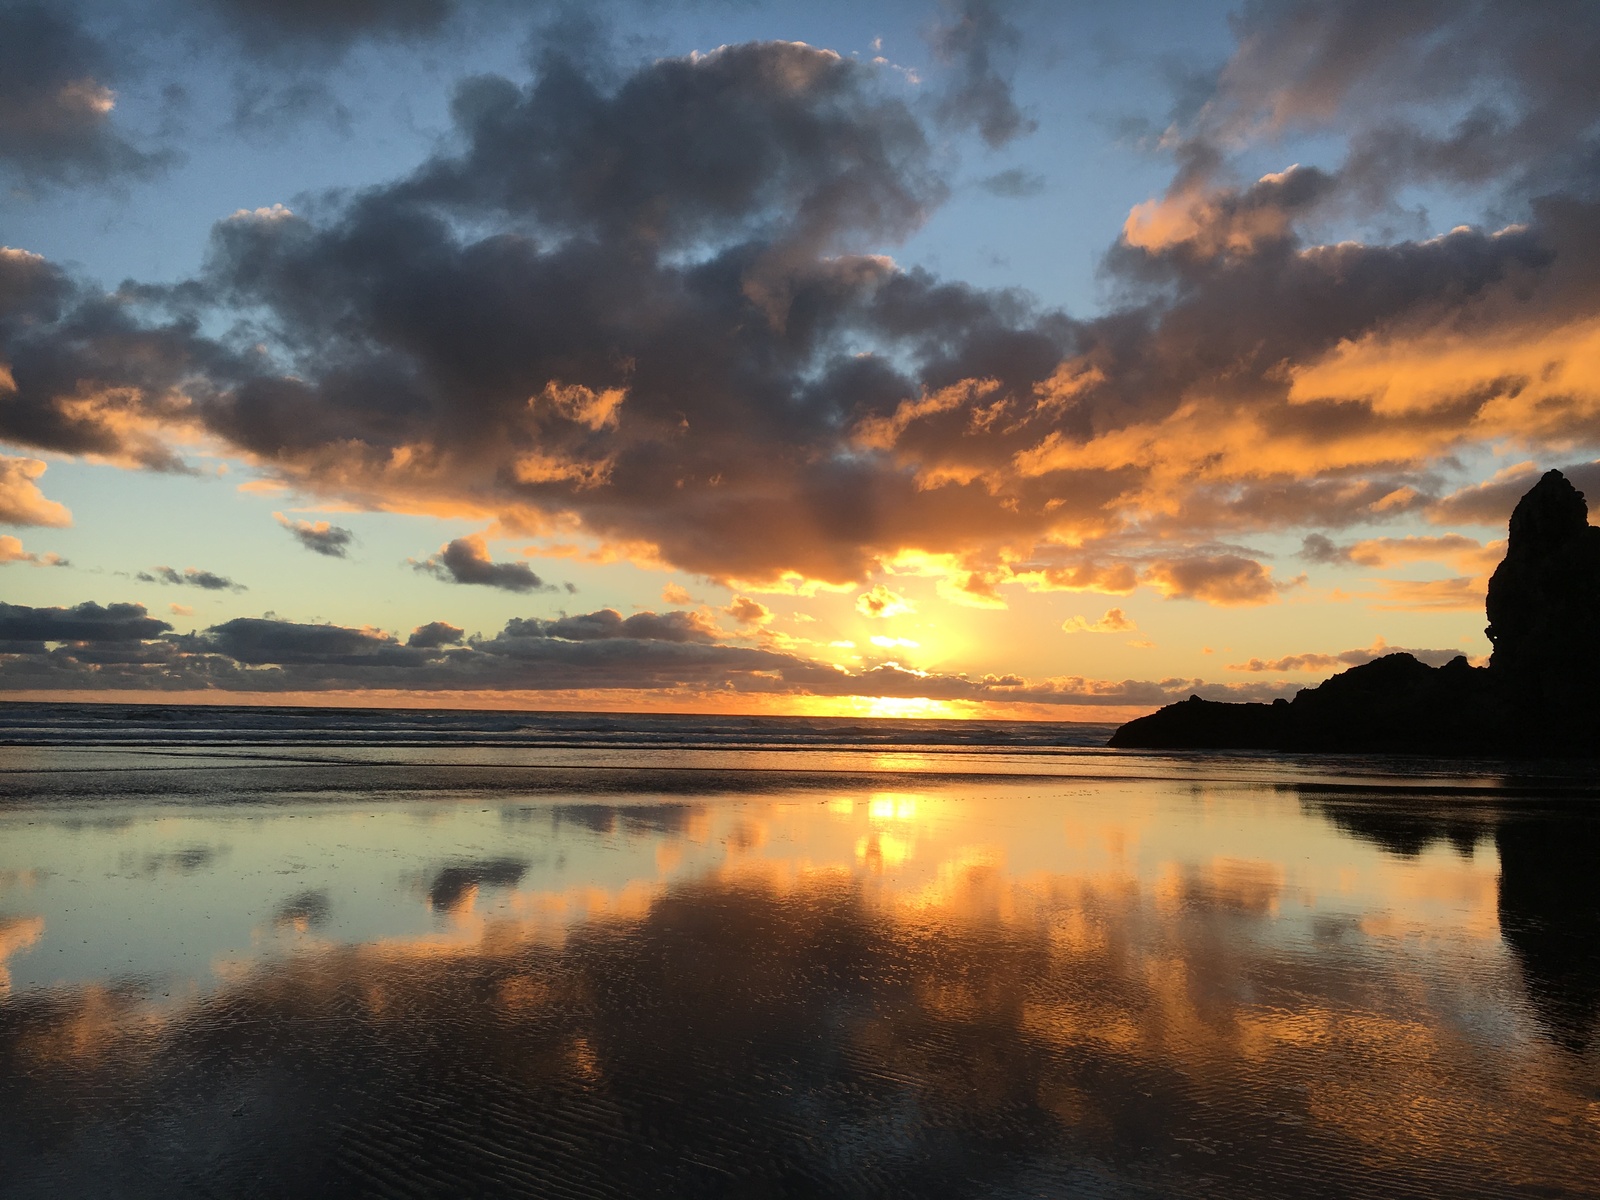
962,359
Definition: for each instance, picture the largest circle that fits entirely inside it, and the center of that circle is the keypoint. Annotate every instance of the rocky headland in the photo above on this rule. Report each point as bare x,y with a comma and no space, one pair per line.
1540,693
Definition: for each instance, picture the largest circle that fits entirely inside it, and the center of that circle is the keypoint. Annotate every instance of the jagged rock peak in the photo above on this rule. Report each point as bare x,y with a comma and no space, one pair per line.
1544,605
1550,513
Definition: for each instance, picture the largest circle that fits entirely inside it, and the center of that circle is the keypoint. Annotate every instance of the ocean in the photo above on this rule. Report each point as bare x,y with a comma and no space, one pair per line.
311,952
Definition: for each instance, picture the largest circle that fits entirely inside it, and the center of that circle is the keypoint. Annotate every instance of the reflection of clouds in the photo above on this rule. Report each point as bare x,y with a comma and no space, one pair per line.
631,820
303,912
740,1024
185,861
1224,884
16,933
455,887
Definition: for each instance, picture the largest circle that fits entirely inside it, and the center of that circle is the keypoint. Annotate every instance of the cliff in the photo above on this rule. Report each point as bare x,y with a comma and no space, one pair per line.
1539,694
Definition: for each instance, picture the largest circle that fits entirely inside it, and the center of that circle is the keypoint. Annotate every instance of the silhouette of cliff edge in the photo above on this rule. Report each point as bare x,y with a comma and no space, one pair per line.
1540,693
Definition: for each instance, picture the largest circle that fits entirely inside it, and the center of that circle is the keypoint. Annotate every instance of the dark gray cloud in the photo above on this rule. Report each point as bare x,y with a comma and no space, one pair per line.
771,139
258,641
434,635
1320,548
1484,94
608,623
466,560
1013,183
87,622
191,577
331,541
56,123
978,42
96,373
325,28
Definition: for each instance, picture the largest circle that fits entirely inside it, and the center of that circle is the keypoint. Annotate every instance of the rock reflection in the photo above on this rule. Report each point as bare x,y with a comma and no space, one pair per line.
1548,890
1550,916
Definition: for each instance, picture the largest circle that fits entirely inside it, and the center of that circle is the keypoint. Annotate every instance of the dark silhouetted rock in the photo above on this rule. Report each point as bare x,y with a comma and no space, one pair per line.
1544,604
1540,693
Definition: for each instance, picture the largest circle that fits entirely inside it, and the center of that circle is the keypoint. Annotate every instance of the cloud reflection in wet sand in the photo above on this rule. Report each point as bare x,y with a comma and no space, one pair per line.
964,991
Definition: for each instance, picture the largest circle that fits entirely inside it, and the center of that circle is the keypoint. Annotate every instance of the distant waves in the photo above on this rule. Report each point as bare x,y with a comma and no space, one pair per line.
27,724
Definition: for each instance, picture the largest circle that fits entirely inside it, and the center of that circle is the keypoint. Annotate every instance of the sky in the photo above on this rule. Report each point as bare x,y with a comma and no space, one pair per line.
950,358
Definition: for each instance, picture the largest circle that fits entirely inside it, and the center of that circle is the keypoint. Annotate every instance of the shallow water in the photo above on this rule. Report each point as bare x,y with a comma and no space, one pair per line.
239,957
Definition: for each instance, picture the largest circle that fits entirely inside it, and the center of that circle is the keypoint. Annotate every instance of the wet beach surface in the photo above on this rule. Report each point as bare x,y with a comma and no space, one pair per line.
252,960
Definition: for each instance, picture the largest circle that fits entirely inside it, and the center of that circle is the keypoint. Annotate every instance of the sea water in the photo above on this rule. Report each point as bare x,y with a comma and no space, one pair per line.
268,952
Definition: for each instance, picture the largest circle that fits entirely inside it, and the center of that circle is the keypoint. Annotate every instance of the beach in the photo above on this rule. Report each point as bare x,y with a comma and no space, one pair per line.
446,954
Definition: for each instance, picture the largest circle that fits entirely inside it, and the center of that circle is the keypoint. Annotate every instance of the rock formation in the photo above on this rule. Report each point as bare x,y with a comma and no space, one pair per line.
1540,693
1544,601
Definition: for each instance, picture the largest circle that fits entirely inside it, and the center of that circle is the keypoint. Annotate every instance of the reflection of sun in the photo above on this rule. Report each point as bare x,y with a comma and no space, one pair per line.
888,806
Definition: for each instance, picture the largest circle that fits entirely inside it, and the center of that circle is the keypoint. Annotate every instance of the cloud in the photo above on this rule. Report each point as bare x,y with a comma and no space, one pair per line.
466,560
180,610
1013,183
1457,95
977,41
881,602
55,106
320,537
190,577
324,29
1345,658
433,635
1462,593
11,551
1453,548
1320,548
1114,621
21,501
675,593
767,139
747,611
1224,579
1116,579
88,622
607,624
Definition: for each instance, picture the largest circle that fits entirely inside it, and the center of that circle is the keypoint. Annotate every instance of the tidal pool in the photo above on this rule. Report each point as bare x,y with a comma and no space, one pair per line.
415,971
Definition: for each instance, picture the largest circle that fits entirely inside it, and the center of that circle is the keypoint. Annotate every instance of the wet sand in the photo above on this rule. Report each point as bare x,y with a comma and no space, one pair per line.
603,970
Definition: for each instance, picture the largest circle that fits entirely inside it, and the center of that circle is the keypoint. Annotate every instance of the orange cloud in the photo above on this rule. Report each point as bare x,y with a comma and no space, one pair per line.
881,602
1114,621
1463,593
1224,579
11,551
1345,658
747,611
21,501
